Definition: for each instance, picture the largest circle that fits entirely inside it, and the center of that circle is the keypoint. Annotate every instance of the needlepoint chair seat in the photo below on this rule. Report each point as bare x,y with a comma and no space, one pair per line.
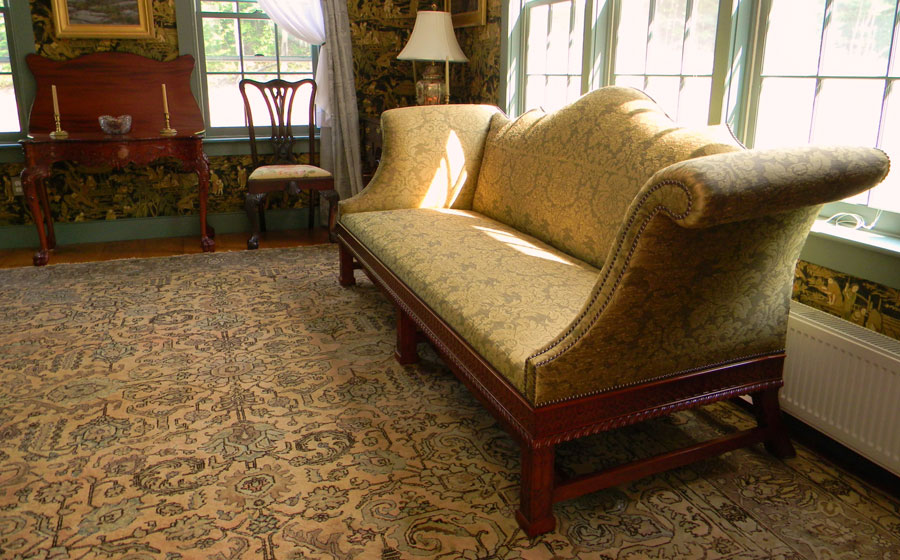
284,172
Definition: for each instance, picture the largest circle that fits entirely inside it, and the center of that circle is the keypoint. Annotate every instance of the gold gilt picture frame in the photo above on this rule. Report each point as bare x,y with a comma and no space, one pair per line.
468,13
103,19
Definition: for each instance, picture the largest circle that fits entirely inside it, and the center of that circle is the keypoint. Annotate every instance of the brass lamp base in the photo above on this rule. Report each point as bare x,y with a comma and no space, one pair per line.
430,89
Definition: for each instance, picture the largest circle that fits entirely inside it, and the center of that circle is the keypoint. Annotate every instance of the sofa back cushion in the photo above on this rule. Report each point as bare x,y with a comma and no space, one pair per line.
568,177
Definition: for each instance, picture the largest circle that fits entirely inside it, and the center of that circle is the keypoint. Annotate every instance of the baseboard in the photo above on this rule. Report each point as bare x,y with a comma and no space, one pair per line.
99,231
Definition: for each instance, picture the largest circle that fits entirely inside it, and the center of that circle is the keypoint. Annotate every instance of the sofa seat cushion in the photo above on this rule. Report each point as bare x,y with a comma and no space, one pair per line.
505,293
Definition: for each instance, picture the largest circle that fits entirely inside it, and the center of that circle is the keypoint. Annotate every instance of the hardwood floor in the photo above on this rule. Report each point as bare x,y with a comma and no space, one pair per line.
87,252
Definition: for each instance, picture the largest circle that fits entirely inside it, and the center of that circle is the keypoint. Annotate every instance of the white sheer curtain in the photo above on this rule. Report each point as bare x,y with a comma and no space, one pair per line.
329,26
303,19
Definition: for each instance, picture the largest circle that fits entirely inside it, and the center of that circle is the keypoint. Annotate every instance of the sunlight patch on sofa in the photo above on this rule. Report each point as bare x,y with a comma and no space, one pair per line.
449,177
521,245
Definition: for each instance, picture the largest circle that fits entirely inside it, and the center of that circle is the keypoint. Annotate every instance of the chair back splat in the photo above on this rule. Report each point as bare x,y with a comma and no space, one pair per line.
279,97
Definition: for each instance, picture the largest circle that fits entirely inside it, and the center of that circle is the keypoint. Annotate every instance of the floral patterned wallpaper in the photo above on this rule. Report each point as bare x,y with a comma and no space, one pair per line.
379,30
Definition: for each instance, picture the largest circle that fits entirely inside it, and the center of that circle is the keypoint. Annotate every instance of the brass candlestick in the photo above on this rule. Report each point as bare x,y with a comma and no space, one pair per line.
167,131
59,133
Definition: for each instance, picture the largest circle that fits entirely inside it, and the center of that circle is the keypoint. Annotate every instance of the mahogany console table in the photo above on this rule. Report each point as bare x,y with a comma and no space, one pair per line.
41,152
110,83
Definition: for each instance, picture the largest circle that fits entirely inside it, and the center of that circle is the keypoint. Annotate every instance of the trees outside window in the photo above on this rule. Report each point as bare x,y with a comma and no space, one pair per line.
238,40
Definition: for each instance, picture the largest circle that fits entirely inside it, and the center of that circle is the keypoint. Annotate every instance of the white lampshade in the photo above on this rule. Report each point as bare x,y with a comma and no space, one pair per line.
432,38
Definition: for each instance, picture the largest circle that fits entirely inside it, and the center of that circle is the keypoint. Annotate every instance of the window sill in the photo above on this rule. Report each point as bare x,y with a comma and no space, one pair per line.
865,254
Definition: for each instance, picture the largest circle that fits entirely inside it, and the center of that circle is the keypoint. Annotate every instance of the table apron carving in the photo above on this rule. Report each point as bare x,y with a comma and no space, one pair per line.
41,154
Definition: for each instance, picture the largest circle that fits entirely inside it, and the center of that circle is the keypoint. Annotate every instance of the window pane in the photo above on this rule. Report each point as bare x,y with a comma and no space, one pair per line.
226,107
558,36
296,55
887,194
666,38
535,92
636,82
9,116
220,44
700,43
848,111
693,102
785,112
631,37
793,38
664,90
536,47
858,38
258,42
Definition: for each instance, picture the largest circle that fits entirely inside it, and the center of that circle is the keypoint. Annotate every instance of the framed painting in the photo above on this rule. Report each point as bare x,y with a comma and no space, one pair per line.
467,13
103,19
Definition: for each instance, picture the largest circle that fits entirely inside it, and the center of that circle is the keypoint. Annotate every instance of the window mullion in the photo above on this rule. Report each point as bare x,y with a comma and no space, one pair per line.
826,21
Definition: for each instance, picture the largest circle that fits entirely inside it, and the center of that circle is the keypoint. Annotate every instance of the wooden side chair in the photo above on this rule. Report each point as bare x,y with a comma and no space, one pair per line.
283,172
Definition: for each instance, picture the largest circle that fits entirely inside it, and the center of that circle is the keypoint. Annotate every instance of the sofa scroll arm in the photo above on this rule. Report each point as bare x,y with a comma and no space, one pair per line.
747,184
430,158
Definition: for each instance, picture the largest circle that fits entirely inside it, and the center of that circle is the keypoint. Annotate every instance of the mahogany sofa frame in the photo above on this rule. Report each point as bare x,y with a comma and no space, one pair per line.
539,429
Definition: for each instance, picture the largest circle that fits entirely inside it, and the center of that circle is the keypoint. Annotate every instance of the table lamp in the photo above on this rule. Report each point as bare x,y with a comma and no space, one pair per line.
432,39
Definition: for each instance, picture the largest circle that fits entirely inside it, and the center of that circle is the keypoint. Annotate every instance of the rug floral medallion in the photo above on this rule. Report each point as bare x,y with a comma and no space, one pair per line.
244,405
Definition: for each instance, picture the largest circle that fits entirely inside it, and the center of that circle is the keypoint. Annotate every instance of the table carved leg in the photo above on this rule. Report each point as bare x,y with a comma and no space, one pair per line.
36,197
207,234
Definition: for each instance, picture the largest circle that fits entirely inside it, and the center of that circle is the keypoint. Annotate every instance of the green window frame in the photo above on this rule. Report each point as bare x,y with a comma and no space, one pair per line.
16,84
617,48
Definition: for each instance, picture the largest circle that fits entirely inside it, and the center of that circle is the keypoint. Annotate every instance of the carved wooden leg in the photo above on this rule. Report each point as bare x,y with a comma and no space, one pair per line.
345,270
332,197
311,215
253,205
407,339
768,415
48,219
535,513
31,177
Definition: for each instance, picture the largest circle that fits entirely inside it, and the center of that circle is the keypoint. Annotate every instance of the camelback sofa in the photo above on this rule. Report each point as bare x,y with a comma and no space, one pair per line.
593,267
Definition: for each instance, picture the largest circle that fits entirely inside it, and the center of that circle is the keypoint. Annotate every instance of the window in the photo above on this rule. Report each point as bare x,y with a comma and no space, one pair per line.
9,116
553,55
837,85
779,72
239,41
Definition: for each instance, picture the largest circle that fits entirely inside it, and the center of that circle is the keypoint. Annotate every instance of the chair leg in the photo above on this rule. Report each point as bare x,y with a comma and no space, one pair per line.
535,513
768,415
253,204
333,198
313,200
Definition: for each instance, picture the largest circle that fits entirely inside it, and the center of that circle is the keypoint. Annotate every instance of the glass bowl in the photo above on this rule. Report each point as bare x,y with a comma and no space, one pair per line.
115,125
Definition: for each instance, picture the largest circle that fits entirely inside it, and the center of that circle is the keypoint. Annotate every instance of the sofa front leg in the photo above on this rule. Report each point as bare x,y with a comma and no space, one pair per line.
407,339
535,513
768,416
345,266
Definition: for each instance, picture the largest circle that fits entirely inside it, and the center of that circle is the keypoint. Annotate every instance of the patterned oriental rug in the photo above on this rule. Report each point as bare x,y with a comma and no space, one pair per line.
243,405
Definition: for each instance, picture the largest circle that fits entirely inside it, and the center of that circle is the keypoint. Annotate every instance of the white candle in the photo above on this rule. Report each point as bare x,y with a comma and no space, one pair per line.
165,100
55,100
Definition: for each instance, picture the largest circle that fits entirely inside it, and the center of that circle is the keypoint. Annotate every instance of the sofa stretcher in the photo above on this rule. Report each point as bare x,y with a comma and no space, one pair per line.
591,268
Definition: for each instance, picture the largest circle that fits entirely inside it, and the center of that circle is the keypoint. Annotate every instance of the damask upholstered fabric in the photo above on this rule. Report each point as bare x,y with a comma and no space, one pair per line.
695,238
430,159
567,177
507,294
287,172
244,406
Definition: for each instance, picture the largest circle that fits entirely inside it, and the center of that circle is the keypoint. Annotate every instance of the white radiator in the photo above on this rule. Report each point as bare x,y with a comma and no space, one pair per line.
844,380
